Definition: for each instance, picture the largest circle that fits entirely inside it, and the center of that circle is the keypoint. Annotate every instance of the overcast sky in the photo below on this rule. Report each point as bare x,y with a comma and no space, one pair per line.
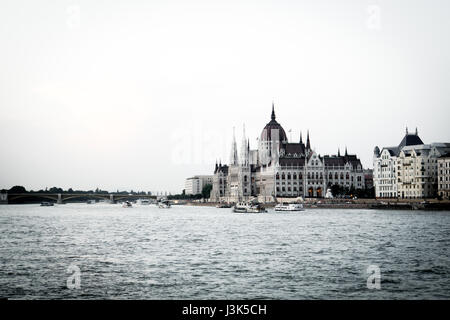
142,94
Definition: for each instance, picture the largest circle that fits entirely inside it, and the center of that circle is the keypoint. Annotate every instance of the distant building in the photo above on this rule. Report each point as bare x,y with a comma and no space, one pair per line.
444,176
282,168
408,171
194,185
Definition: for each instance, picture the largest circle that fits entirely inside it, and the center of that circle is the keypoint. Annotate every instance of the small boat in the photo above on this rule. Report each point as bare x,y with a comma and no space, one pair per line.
289,207
90,202
46,204
223,205
127,204
243,207
144,202
164,204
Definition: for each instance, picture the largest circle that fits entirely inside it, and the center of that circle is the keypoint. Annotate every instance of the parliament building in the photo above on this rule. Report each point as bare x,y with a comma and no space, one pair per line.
281,168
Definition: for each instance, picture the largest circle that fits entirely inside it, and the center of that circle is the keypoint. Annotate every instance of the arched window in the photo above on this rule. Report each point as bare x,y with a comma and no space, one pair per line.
330,176
278,176
309,175
336,175
342,175
289,176
282,176
295,176
300,176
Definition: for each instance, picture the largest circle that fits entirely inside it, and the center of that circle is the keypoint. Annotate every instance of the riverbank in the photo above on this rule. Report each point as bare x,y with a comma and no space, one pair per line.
391,204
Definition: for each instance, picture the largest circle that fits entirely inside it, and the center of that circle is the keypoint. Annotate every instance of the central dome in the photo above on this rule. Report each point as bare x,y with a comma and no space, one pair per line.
266,134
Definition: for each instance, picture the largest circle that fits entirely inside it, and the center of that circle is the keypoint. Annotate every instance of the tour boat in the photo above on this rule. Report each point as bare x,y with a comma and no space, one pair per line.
46,204
127,204
90,202
289,207
243,207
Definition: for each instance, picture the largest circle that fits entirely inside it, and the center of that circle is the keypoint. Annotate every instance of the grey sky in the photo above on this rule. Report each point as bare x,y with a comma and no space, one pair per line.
142,94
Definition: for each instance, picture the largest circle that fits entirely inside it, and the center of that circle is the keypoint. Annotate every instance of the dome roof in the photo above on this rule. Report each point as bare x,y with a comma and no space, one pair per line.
266,134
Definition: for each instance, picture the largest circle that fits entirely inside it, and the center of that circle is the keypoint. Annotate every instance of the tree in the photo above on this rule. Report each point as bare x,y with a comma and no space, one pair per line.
206,191
17,189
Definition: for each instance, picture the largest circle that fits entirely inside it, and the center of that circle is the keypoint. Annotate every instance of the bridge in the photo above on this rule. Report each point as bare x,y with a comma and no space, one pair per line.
60,198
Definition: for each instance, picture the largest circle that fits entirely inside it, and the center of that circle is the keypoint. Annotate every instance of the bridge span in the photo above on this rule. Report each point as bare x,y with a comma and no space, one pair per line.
61,198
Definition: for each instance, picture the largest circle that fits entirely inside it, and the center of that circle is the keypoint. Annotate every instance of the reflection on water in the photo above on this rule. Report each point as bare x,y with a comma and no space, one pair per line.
209,253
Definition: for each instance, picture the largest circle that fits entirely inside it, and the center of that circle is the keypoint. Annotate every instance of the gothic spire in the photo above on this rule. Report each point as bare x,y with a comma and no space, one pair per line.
308,143
244,149
234,156
273,111
339,152
346,154
301,137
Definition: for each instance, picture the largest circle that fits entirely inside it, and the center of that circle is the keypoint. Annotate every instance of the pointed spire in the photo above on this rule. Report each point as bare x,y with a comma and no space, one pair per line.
346,154
273,111
301,137
339,152
308,143
407,130
417,132
234,156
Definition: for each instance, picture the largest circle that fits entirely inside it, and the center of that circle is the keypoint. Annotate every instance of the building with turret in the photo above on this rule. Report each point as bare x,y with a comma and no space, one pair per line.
409,170
282,168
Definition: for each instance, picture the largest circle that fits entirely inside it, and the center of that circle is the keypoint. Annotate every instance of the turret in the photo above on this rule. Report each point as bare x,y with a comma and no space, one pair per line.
376,151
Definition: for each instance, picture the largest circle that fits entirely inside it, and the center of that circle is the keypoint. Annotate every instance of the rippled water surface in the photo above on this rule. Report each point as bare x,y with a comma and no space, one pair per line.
207,253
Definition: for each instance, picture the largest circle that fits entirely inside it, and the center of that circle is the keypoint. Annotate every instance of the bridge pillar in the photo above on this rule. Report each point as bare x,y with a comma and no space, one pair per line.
59,199
4,198
111,199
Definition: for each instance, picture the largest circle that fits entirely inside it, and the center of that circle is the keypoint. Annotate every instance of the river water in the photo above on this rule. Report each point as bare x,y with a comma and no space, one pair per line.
207,253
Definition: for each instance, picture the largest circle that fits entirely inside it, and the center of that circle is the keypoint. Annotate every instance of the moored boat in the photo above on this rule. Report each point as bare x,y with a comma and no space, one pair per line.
223,205
289,207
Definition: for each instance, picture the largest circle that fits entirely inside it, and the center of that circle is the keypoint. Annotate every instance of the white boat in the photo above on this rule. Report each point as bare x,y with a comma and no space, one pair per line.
90,201
127,204
244,207
289,207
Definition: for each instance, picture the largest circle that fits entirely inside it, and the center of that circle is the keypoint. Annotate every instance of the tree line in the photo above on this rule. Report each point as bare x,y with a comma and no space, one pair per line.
21,189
